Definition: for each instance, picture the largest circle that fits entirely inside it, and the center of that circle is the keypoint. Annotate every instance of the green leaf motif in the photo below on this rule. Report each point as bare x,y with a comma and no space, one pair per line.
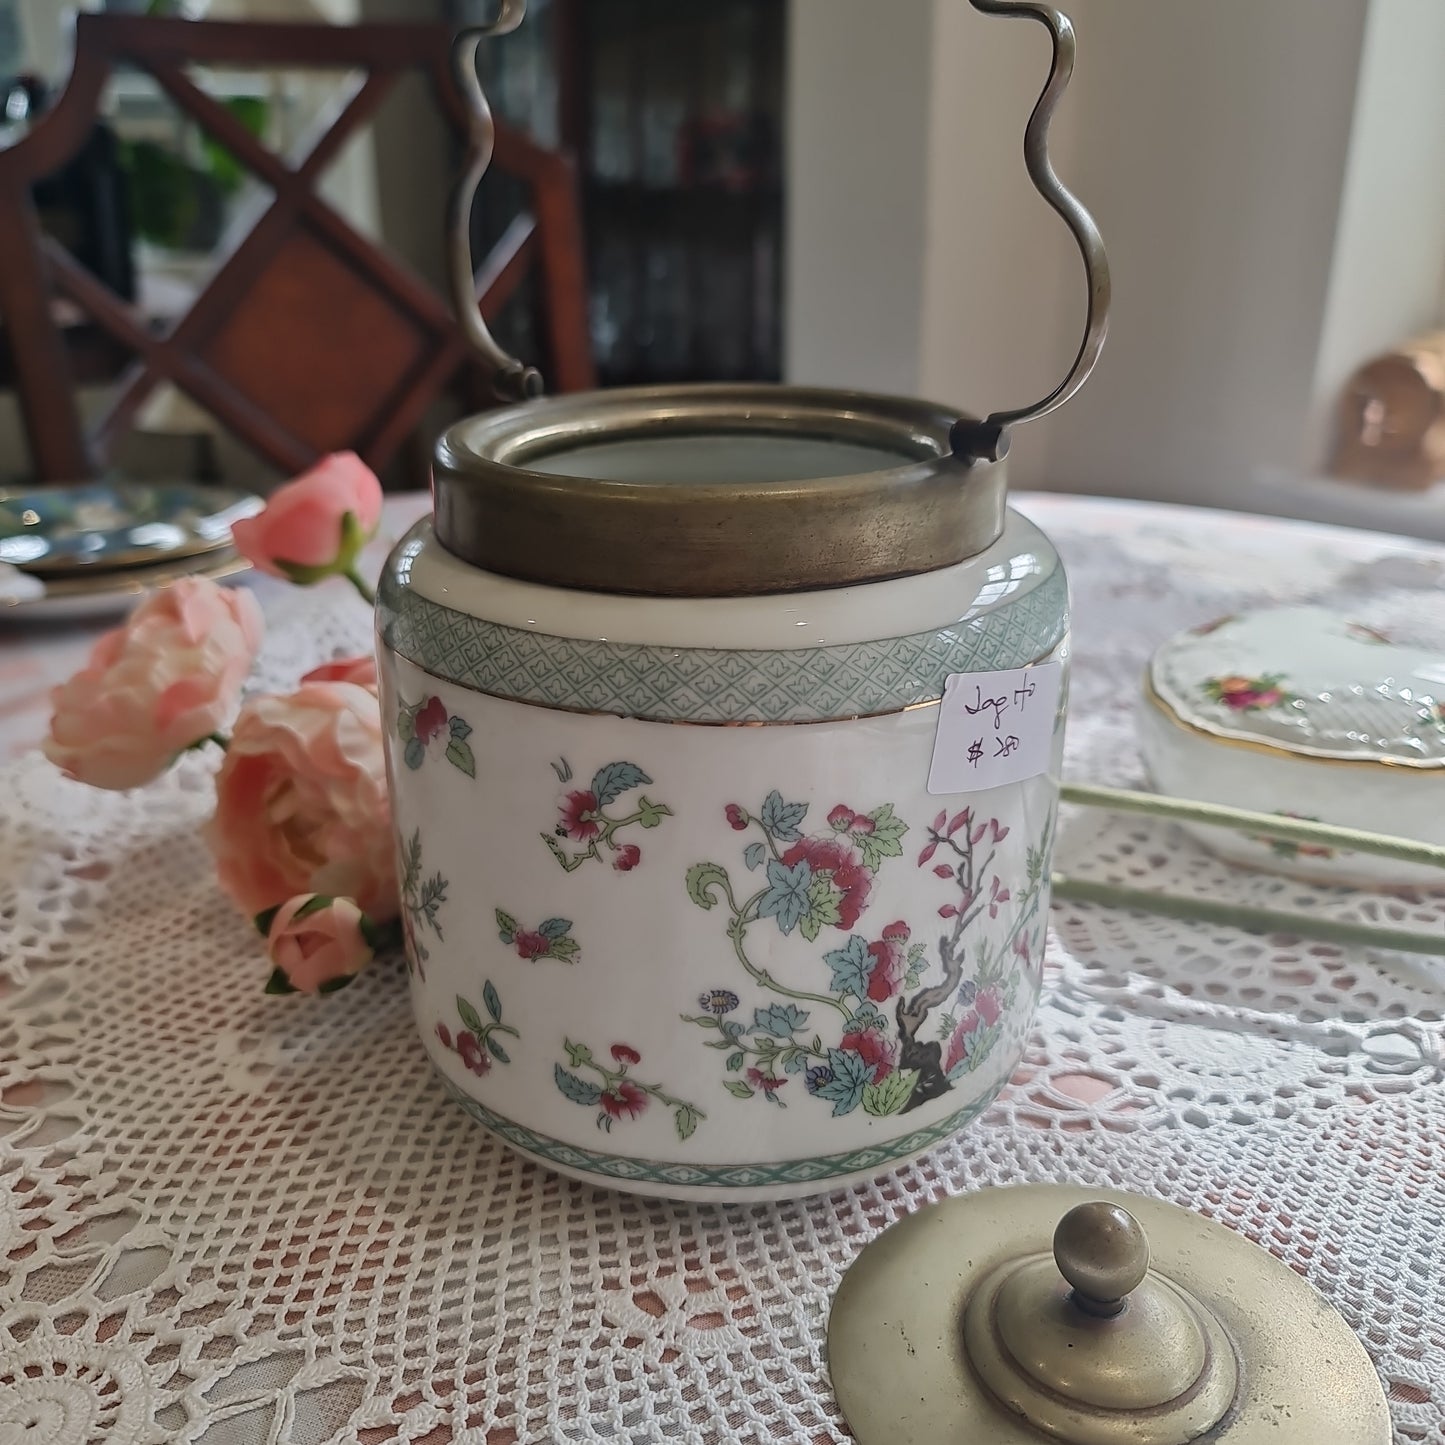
891,1095
753,855
554,928
810,927
780,1020
612,781
459,728
506,926
459,755
738,1089
414,755
492,1001
571,1087
497,1051
685,1118
866,1016
886,839
735,1061
702,879
577,1054
565,948
852,966
851,1074
787,895
651,814
823,901
469,1016
783,820
406,724
554,848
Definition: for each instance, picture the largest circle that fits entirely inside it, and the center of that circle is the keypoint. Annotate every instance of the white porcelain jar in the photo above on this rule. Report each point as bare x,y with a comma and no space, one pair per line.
683,915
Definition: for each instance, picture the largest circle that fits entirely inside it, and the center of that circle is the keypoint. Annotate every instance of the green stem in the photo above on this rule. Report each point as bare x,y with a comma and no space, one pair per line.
499,1029
362,586
667,1100
1240,820
763,977
1251,920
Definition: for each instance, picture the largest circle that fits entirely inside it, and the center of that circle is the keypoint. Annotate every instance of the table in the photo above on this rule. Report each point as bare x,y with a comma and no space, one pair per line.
239,1219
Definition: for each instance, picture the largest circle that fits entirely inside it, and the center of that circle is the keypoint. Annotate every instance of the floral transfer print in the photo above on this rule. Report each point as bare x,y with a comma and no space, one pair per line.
857,1041
552,938
1248,694
476,1042
614,1093
421,901
421,724
582,817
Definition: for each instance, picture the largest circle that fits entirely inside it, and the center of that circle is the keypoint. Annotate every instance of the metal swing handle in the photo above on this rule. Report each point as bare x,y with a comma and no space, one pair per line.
988,440
512,379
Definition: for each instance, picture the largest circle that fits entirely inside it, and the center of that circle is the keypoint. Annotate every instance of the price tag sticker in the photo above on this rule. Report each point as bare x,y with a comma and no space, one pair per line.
995,728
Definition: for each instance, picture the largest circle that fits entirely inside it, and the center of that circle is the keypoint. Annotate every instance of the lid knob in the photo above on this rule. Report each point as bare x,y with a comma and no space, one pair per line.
1091,1346
960,1323
1101,1250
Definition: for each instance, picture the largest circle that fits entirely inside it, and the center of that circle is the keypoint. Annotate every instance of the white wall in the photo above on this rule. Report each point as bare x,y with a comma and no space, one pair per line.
1252,167
1389,260
857,121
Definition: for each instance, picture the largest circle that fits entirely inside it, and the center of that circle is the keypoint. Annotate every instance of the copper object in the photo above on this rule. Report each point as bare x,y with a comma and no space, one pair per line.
1391,418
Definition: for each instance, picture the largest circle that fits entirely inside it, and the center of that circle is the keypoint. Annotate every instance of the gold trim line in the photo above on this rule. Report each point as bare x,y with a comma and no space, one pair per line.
1282,750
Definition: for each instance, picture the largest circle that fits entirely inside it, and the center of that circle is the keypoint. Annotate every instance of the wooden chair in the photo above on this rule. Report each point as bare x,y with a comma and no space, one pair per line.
309,338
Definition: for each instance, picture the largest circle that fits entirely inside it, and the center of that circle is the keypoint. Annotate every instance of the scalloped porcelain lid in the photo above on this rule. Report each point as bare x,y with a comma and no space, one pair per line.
1307,681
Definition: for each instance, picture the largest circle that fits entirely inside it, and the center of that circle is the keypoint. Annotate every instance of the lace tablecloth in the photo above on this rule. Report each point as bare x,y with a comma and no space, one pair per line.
232,1218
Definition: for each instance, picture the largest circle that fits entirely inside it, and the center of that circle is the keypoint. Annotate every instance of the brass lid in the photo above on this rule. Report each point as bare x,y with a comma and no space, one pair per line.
1038,1312
713,490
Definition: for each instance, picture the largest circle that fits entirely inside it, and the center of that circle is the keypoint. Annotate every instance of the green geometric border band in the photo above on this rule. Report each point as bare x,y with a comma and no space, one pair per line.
708,684
722,1176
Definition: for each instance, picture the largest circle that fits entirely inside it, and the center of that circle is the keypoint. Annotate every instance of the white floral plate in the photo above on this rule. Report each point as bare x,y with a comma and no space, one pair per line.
109,594
1302,712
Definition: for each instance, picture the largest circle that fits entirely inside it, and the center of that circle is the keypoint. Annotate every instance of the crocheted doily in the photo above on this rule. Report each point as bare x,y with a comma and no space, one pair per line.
231,1218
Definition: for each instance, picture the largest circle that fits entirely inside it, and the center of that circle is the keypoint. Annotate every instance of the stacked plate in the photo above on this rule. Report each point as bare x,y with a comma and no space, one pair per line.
90,549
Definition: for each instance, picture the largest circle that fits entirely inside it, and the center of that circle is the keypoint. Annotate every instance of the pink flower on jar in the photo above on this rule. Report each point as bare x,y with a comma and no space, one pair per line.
301,802
988,1005
878,1052
473,1055
890,963
623,1098
316,525
532,945
768,1083
431,720
625,1055
737,818
316,944
579,816
360,670
833,857
162,682
629,855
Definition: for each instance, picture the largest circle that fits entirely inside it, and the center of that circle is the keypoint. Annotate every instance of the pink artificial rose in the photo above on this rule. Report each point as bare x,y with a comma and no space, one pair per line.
317,944
360,670
302,533
301,803
166,679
